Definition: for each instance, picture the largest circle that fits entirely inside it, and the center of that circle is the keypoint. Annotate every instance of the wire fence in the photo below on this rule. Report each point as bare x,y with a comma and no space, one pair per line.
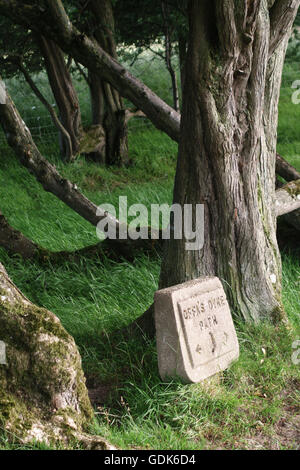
37,118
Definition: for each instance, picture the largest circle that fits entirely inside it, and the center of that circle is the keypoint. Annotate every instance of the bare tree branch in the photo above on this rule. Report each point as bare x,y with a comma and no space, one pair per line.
20,139
285,169
82,73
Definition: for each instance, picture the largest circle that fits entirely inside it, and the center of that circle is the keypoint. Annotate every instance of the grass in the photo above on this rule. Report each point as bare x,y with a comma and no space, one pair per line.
254,404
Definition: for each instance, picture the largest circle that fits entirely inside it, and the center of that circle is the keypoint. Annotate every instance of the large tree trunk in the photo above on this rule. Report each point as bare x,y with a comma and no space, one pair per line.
227,151
43,396
64,93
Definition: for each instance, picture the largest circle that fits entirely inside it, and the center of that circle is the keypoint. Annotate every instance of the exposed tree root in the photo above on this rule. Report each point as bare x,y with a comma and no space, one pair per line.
15,242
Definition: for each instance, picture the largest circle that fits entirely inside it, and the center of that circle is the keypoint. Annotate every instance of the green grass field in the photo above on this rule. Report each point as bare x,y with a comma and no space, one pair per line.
254,404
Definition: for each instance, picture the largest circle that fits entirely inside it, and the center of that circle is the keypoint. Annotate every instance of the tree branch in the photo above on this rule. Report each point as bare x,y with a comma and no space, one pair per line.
287,198
82,73
285,170
282,16
20,139
54,117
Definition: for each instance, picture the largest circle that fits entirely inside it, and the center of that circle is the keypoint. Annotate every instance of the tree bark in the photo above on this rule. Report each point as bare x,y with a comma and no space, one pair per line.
97,99
107,104
14,241
168,55
227,154
182,48
43,397
64,93
288,198
285,170
68,147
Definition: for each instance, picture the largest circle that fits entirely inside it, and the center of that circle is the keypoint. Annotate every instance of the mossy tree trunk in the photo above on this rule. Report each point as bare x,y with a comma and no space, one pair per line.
43,396
227,150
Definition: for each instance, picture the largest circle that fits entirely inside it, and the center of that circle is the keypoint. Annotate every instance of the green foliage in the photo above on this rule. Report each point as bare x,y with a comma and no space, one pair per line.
17,43
141,25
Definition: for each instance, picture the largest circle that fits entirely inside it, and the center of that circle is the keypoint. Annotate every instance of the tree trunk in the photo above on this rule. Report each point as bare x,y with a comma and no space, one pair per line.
107,105
227,152
43,396
68,147
168,54
97,98
64,93
182,46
